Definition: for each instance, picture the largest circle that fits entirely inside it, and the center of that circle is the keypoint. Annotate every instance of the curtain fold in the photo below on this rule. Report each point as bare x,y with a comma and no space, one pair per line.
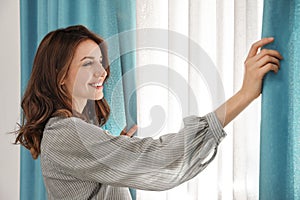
106,18
280,126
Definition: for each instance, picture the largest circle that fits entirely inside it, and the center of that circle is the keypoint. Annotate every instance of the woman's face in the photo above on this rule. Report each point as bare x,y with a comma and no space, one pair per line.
86,74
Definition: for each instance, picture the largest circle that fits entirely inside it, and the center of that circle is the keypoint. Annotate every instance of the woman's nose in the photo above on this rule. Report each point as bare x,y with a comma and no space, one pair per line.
100,72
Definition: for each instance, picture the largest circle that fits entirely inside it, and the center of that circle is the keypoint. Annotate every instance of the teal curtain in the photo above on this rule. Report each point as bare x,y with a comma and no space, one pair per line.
280,127
106,18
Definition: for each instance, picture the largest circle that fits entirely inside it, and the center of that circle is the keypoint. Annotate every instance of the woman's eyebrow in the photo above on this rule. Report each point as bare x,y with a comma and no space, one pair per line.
85,57
89,57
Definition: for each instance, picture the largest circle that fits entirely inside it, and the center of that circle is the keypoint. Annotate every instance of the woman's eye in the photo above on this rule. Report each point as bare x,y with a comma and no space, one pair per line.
88,63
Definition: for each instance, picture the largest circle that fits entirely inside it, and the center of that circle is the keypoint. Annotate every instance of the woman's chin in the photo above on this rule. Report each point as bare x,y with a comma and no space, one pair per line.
98,97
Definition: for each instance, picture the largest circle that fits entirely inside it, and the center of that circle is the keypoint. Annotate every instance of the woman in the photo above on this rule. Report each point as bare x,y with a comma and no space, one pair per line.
64,106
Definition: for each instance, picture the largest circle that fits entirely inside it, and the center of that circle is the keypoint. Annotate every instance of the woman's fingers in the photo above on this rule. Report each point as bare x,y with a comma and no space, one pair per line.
254,48
257,64
268,59
269,67
131,131
265,56
269,52
123,132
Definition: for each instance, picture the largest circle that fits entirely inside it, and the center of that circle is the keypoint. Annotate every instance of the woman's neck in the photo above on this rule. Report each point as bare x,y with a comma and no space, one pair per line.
79,104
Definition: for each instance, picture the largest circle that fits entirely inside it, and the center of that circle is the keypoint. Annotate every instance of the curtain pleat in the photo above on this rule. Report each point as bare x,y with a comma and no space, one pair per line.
106,18
280,128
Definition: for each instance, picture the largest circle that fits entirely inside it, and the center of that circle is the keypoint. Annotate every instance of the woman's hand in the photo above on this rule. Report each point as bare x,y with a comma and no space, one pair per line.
131,131
256,67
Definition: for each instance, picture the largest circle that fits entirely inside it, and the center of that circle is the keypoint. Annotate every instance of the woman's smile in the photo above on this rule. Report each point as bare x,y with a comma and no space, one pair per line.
97,85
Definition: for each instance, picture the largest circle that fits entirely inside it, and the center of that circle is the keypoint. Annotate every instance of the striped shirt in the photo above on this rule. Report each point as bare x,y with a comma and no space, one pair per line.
82,161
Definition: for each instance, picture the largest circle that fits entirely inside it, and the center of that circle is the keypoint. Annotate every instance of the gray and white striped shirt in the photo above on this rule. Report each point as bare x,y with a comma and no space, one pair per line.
82,161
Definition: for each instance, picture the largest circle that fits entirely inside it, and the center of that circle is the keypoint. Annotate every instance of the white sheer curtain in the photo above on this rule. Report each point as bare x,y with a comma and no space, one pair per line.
224,29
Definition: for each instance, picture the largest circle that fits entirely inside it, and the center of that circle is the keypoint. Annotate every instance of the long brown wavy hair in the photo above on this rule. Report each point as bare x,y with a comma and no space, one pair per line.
46,96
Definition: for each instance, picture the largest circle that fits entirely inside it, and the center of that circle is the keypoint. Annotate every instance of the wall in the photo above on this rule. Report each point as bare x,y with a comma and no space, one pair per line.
9,98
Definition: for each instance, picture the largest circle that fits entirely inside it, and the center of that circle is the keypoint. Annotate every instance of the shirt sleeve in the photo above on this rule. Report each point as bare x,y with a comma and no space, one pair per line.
90,153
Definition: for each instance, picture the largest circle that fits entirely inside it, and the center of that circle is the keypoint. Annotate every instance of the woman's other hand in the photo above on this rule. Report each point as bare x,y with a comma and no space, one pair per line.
130,132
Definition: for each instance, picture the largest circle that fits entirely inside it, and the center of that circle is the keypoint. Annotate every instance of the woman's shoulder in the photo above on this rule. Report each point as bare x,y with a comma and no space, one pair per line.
68,130
64,121
71,125
56,125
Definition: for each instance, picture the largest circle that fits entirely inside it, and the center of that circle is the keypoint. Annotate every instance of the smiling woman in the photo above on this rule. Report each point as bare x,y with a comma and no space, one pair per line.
106,18
64,107
86,75
60,86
